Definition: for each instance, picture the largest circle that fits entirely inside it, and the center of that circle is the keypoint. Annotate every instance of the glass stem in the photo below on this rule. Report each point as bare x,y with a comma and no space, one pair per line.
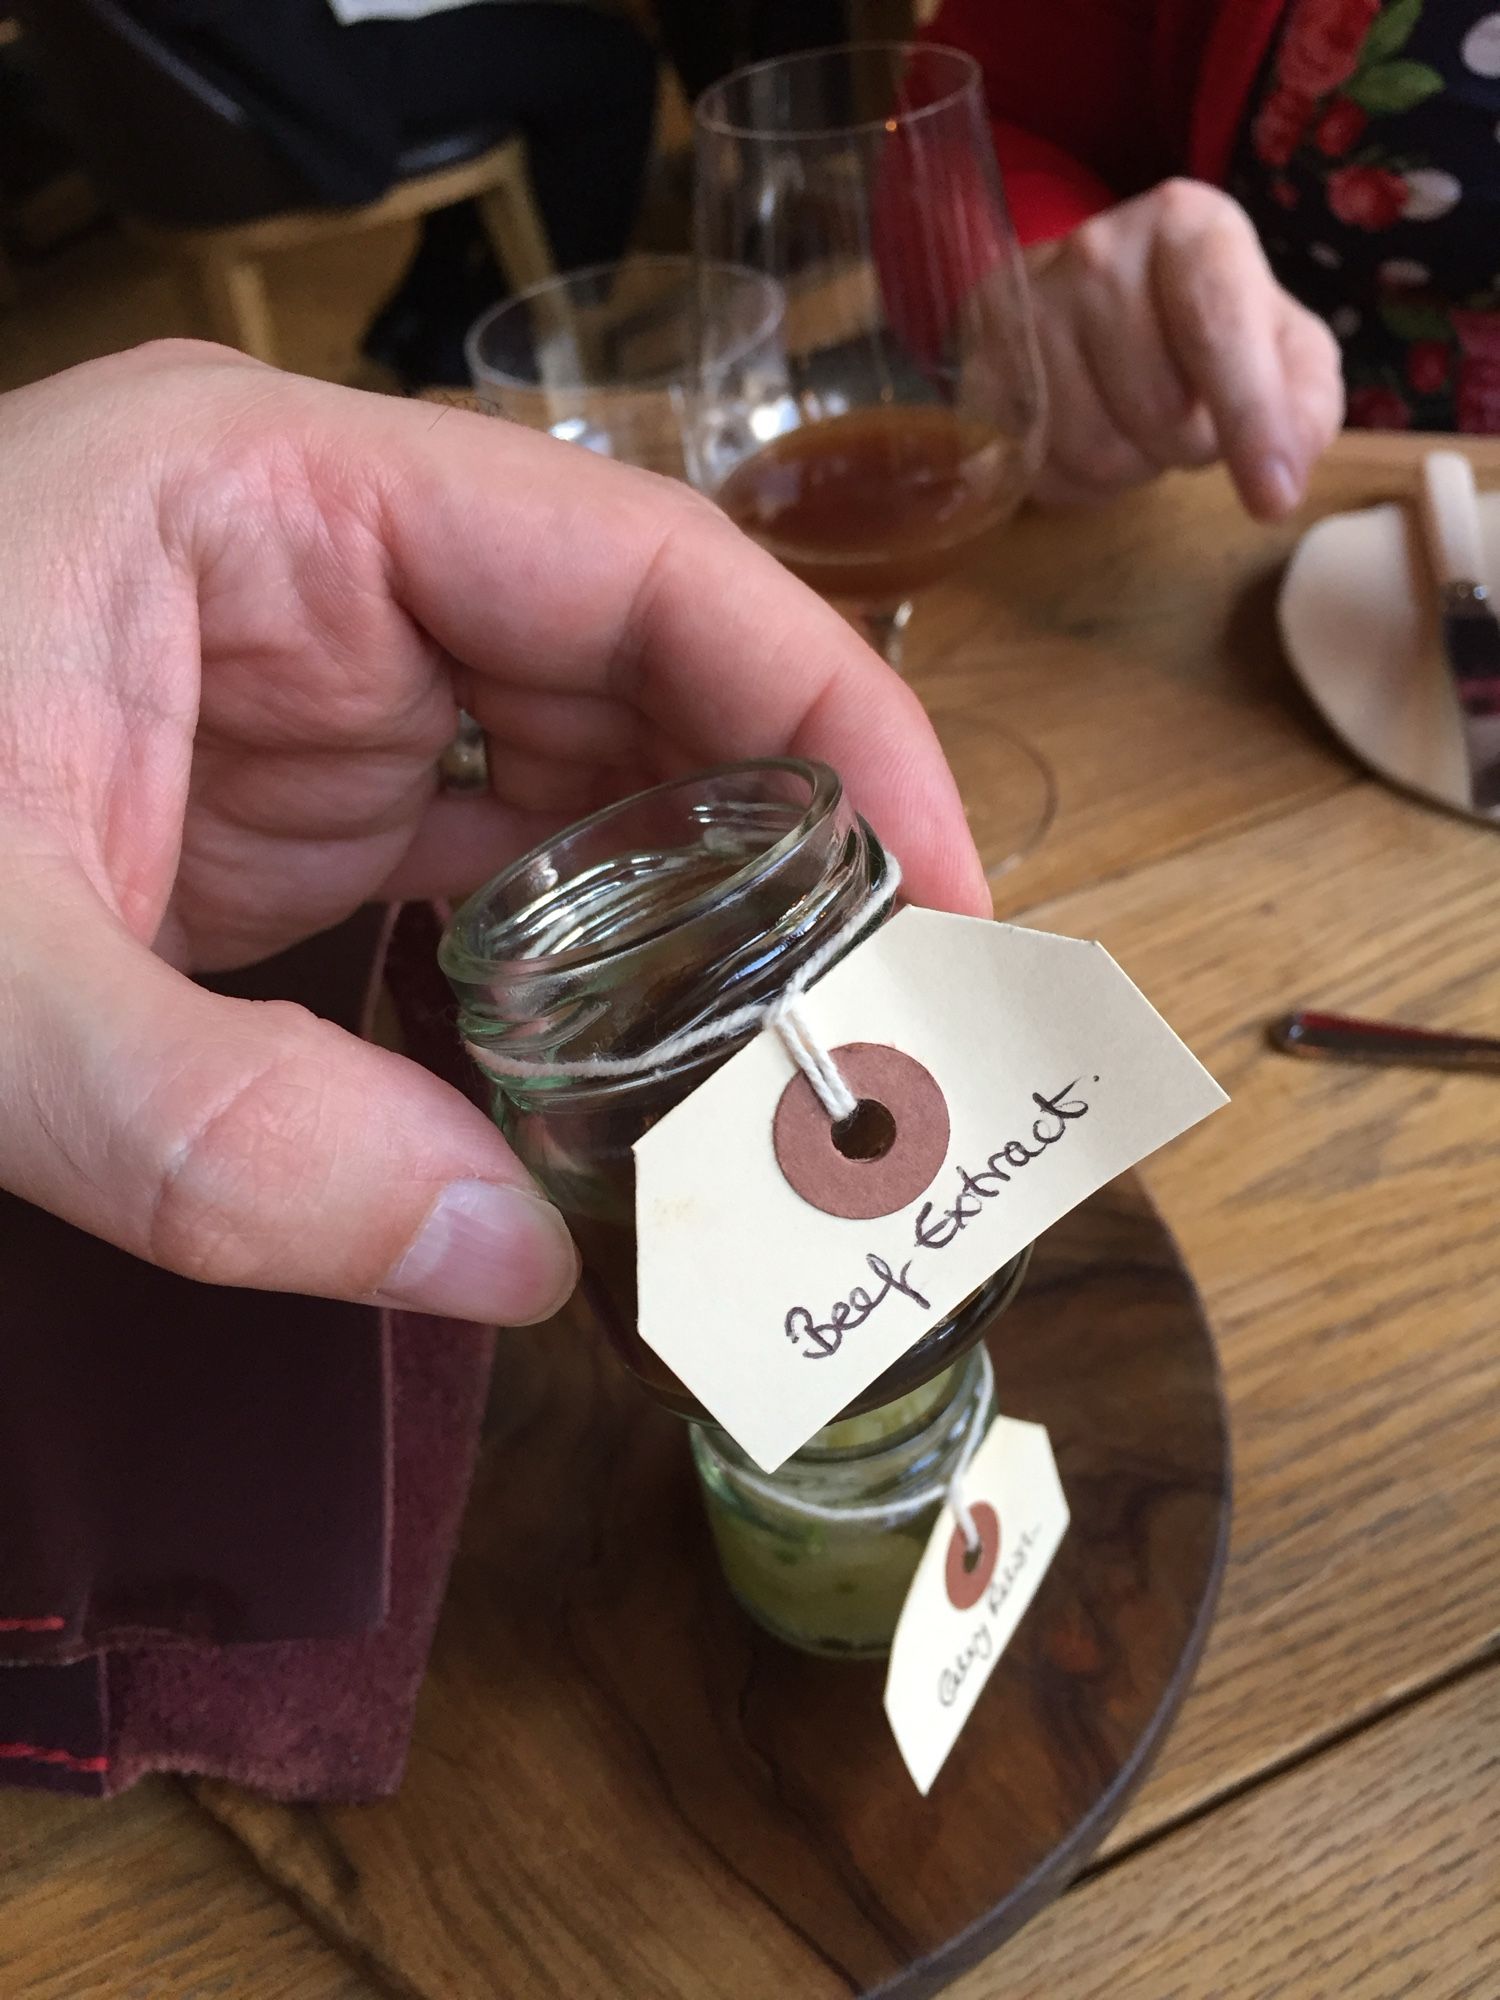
886,631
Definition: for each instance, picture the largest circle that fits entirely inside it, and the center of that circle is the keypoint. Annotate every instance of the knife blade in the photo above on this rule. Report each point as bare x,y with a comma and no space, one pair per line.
1469,628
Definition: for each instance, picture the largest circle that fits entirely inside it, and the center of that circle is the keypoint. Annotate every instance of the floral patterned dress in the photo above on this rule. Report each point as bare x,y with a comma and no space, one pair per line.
1370,163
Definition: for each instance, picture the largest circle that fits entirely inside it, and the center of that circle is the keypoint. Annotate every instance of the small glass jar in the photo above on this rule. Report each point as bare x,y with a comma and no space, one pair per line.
656,915
823,1553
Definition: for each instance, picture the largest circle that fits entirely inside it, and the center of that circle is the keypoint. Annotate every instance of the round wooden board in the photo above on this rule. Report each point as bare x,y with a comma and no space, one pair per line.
588,1603
620,1786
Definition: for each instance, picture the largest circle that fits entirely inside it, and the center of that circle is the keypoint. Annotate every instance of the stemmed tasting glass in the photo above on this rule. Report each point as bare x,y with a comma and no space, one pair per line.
903,423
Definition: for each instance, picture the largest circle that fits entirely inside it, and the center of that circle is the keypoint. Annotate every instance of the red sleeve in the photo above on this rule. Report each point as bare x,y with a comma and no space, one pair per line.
1068,88
1047,191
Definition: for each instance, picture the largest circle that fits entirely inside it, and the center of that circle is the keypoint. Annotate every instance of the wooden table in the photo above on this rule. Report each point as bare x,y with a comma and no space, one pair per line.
1325,1819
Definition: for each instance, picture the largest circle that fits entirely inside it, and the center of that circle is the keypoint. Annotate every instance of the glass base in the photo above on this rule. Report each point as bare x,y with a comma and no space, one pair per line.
1007,786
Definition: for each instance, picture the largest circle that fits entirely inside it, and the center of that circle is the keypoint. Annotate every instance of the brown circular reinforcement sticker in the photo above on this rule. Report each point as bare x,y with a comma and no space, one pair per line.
879,1159
967,1574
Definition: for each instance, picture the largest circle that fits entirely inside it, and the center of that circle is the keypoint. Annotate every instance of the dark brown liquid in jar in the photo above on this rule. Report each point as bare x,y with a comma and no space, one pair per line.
608,1254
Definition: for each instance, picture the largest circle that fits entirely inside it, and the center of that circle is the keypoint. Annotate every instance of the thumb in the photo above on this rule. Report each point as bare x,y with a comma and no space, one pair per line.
250,1143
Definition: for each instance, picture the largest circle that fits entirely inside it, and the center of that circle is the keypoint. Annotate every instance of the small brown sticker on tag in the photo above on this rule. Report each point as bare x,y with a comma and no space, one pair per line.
895,1150
969,1571
1034,1057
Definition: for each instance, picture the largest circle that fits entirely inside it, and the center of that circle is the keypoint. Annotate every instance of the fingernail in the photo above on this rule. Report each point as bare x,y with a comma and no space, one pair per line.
1283,487
500,1255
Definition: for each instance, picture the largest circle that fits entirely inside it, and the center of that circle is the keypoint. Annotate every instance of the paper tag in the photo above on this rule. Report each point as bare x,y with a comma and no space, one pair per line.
958,1619
1053,1073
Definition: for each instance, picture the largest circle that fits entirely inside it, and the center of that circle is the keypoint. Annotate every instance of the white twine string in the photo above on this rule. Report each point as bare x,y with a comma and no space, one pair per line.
913,1503
782,1012
956,1500
810,1056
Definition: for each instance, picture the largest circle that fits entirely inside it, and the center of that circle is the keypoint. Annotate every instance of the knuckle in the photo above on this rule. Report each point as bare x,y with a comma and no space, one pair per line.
1117,463
1337,409
695,511
1182,202
1189,209
1099,465
691,530
1056,487
1094,247
1155,443
1193,442
682,514
173,352
1323,343
1162,404
232,1158
185,348
1219,314
691,524
1314,362
1325,419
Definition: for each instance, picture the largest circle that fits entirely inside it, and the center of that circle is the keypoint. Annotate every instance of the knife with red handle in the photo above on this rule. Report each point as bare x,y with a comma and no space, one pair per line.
1342,1038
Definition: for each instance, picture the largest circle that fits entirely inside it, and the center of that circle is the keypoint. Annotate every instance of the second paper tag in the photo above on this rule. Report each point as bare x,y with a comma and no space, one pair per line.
964,1606
1004,1075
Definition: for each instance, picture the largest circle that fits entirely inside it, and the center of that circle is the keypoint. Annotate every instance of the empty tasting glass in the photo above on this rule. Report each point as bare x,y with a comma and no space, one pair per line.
610,357
656,915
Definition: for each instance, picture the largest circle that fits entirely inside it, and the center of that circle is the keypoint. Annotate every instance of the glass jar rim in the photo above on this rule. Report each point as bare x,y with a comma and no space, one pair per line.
462,960
710,118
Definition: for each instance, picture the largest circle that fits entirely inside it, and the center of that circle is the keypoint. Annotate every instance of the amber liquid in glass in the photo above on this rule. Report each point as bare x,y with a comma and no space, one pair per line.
873,505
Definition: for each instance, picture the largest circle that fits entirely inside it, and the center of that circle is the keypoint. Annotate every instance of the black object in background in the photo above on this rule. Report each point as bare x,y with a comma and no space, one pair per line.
705,39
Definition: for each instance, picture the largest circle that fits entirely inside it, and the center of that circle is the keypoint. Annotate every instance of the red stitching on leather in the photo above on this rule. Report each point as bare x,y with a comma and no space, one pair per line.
32,1624
66,1758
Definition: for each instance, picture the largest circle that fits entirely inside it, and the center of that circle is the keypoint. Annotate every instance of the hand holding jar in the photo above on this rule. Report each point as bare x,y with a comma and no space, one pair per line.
241,614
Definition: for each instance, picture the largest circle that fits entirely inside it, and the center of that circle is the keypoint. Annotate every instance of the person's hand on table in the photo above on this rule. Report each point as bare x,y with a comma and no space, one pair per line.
240,613
1167,342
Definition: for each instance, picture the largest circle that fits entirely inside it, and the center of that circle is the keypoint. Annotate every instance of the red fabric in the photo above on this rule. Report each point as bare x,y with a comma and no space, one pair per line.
154,1615
1092,101
325,1718
1048,192
125,1388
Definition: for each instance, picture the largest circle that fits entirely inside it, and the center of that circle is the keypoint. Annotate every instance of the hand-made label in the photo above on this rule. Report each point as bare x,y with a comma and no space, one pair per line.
1057,1075
950,1638
935,1229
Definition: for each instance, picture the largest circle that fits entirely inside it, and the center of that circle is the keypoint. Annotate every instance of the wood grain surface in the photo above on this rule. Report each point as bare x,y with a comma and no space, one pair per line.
1343,1226
1368,1874
621,1786
144,1898
1165,716
1136,648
